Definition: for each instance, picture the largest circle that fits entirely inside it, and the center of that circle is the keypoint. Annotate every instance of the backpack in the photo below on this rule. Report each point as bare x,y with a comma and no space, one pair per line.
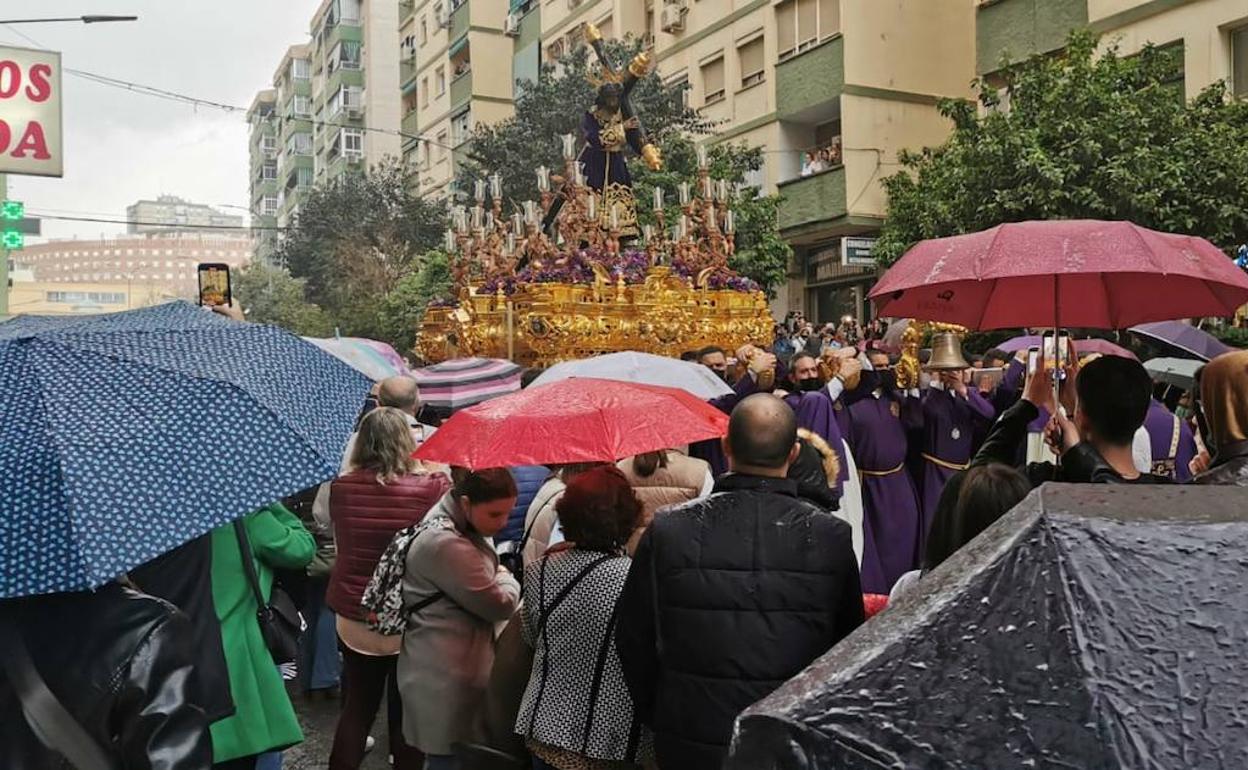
383,598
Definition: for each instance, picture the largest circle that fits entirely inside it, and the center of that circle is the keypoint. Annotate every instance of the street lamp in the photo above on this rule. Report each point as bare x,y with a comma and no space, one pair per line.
94,19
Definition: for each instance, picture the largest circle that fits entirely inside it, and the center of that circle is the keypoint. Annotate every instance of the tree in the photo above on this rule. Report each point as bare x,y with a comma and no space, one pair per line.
1084,136
356,238
270,295
403,308
553,105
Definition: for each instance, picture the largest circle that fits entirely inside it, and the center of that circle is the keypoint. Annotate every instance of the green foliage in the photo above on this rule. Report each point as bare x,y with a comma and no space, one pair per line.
403,308
270,295
554,105
1085,136
355,239
1234,336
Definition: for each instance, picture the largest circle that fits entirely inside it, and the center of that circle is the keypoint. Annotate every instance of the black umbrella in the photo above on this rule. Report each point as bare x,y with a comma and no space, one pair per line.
1092,626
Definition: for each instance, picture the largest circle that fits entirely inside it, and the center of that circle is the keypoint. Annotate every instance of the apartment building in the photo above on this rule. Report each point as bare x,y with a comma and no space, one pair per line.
171,212
262,178
457,72
333,109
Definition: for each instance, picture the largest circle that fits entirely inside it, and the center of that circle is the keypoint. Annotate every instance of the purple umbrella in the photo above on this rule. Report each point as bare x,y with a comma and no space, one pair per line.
1082,347
1182,339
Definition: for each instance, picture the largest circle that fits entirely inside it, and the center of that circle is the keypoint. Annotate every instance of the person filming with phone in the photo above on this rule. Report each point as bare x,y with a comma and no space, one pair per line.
1103,404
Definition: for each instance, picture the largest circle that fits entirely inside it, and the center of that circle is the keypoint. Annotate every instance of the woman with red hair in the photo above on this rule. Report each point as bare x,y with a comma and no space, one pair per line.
577,711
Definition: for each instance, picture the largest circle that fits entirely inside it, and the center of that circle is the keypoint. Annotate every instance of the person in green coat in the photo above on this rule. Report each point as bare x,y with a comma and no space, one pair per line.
264,719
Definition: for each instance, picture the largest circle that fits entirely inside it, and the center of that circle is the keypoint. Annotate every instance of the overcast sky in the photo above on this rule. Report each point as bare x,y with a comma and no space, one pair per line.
121,146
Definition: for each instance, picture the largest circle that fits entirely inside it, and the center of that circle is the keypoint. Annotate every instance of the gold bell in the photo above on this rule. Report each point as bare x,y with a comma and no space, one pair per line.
946,353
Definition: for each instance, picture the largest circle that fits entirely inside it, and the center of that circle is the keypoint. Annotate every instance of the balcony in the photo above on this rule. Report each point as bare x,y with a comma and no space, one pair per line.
811,202
459,21
461,89
810,82
1019,28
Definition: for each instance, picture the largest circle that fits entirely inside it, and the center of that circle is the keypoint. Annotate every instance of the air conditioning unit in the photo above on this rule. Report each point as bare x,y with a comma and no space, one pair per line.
672,19
354,158
511,26
444,19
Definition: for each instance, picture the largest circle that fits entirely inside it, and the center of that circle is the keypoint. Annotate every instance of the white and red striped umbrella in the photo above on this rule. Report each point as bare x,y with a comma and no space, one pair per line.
462,382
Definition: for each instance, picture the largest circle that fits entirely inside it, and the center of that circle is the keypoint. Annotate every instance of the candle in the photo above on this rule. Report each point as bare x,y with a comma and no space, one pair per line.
684,193
530,212
730,221
569,146
543,179
591,207
711,222
658,199
684,225
702,159
708,188
615,218
578,175
517,222
450,241
511,243
675,232
496,187
478,189
489,220
476,218
722,191
647,232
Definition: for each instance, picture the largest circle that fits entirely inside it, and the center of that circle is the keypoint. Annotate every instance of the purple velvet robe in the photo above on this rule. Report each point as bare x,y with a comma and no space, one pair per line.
890,503
949,423
1159,422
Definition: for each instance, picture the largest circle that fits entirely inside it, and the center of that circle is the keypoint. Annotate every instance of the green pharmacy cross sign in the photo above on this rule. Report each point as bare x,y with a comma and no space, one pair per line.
12,213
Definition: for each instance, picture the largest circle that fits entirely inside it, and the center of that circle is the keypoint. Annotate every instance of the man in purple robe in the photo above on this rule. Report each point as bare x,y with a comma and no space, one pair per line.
712,450
1171,441
878,419
951,413
816,405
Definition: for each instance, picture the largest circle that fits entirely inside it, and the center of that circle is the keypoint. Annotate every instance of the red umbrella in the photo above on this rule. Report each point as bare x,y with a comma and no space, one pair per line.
1065,273
574,420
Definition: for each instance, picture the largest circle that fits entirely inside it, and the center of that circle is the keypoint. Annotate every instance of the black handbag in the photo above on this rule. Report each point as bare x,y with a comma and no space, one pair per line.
279,619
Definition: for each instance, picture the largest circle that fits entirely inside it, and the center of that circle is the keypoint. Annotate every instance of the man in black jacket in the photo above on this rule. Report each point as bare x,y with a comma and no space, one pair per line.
1112,399
730,596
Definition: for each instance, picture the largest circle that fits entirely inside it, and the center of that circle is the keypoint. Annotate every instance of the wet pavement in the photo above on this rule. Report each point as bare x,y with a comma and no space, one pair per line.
319,716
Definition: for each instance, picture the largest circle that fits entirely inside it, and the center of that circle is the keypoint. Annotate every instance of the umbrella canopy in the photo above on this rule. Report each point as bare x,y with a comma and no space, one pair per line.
1092,626
1082,347
462,382
1064,273
123,436
643,368
1179,372
570,421
375,360
1183,340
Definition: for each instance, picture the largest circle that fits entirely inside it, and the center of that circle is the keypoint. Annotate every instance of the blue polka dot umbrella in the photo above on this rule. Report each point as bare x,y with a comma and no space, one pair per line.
123,436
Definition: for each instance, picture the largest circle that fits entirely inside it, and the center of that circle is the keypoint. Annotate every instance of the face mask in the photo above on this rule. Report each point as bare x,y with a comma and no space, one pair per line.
809,385
886,381
722,375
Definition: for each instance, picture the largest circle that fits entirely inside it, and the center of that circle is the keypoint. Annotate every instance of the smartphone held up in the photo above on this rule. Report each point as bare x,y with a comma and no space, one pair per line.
214,284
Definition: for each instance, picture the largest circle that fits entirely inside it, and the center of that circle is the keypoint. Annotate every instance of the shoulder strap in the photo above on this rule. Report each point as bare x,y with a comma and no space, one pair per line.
1174,437
529,529
249,566
563,593
51,723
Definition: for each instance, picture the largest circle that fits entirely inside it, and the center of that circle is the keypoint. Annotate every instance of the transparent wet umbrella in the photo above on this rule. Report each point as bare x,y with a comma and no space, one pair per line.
125,435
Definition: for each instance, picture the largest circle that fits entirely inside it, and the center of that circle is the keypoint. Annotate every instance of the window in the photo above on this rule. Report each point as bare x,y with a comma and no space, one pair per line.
268,171
301,69
268,144
1239,62
302,106
424,92
299,144
440,77
750,56
348,11
303,177
713,81
345,98
346,55
801,24
441,146
425,155
424,31
461,126
439,18
604,27
351,143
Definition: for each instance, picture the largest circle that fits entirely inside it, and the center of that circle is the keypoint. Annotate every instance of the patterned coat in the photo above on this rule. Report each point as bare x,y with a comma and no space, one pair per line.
577,699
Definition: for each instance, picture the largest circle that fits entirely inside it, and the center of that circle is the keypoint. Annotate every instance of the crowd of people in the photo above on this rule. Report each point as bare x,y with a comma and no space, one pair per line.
596,615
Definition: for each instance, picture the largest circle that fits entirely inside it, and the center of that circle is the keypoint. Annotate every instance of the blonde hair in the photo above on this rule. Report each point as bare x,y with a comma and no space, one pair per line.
384,445
831,463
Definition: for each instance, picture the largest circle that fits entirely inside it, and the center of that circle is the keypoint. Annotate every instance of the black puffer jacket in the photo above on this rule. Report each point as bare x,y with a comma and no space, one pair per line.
120,663
1230,467
727,598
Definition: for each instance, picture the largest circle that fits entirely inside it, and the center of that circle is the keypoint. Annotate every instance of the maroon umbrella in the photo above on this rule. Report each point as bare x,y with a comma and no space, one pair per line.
1064,273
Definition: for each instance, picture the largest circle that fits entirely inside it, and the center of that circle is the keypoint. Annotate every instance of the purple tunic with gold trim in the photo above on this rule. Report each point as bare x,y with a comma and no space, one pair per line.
949,423
890,502
1160,424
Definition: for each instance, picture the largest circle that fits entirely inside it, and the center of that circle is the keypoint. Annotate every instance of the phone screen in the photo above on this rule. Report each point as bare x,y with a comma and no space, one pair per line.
214,284
1033,361
1055,355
